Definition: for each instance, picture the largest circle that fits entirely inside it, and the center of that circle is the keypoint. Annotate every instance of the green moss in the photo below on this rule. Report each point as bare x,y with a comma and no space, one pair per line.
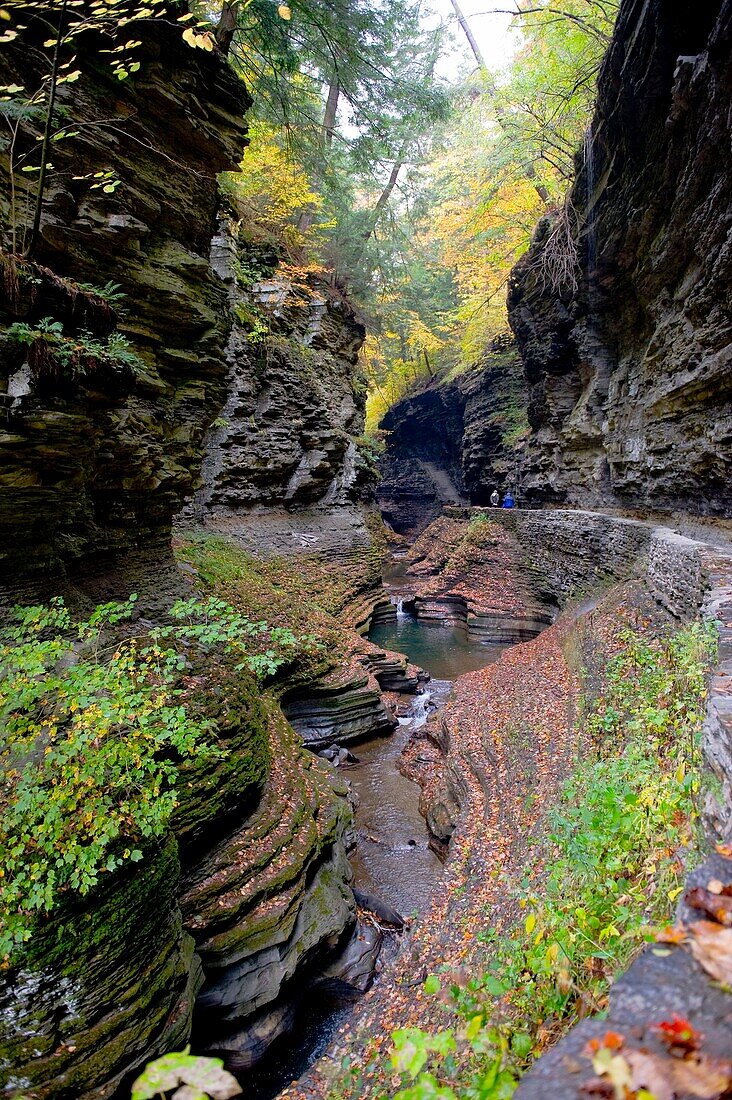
212,791
98,982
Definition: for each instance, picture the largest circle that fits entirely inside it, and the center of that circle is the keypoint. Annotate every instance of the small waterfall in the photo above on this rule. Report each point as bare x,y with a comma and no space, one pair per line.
419,710
401,614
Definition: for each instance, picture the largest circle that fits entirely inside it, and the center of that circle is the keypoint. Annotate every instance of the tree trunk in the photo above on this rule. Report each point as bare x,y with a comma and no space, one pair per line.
529,169
226,26
469,35
327,130
47,131
384,196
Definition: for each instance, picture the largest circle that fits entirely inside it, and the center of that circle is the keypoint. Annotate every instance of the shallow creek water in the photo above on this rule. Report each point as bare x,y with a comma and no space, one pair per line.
392,858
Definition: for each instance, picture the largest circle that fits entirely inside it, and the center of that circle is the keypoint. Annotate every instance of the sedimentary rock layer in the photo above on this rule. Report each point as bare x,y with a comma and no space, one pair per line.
630,386
453,441
91,471
288,434
103,985
477,574
341,707
274,893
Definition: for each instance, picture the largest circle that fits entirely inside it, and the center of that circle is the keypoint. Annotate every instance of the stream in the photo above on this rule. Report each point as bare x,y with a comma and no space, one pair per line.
392,858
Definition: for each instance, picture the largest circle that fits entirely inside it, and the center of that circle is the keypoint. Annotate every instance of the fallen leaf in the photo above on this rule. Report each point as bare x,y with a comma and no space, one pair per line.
598,1088
711,946
611,1040
715,905
617,1070
673,933
207,1075
679,1033
666,1078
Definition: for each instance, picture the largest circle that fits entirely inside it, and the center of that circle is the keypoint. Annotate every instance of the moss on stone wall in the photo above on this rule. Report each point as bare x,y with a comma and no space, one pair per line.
213,792
105,982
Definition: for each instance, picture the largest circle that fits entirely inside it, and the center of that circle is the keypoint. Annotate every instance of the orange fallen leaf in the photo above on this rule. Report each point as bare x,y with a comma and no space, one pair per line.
672,933
611,1040
711,946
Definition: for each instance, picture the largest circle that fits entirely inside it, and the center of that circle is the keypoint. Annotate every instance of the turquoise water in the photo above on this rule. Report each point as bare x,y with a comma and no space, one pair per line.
445,652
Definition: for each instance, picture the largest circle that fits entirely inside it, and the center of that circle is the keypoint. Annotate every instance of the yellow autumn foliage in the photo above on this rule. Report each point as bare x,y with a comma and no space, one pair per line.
271,190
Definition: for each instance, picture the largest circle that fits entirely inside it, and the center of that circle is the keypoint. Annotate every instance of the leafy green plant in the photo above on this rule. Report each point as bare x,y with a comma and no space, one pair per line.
254,321
95,727
213,622
197,1077
52,354
92,729
111,292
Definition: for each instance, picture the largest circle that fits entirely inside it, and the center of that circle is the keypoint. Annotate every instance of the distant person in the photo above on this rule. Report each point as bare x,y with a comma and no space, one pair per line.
508,501
495,499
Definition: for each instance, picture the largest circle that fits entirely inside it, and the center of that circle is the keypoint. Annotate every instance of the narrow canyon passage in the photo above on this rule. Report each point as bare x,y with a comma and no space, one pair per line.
365,550
392,859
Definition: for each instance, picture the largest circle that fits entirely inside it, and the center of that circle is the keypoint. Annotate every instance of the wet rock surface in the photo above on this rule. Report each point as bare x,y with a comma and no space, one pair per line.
629,375
344,707
479,575
105,984
266,899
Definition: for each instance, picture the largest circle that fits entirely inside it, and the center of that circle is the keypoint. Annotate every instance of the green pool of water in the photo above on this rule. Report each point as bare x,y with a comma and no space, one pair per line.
445,652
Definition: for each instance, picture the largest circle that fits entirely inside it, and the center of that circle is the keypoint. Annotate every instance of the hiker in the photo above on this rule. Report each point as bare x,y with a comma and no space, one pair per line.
508,501
495,499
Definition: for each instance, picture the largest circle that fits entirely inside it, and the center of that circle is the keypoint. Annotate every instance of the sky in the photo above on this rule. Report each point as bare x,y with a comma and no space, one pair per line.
492,32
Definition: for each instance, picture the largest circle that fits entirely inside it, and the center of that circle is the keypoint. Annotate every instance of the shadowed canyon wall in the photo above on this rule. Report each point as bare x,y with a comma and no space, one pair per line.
453,441
94,469
629,374
250,888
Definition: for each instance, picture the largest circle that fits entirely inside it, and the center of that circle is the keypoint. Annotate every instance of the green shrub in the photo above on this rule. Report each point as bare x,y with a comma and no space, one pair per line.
95,727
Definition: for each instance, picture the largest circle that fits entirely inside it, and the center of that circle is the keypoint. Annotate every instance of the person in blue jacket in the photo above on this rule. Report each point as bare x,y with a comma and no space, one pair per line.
508,501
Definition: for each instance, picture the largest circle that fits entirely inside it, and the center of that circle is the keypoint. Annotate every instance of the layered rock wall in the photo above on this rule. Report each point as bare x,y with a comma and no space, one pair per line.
289,431
453,441
103,986
630,387
92,472
94,469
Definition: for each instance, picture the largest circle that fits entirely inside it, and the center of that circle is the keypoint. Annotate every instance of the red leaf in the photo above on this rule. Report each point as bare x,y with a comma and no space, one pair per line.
678,1032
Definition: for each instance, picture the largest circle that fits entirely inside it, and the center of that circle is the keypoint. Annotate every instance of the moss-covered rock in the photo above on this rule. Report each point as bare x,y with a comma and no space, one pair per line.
216,792
105,983
274,892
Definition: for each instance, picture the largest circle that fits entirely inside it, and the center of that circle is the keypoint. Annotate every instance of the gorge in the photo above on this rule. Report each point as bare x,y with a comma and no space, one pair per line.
388,713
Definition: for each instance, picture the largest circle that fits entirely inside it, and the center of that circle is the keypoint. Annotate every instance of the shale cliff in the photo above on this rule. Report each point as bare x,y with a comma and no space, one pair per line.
93,470
629,370
288,433
454,441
